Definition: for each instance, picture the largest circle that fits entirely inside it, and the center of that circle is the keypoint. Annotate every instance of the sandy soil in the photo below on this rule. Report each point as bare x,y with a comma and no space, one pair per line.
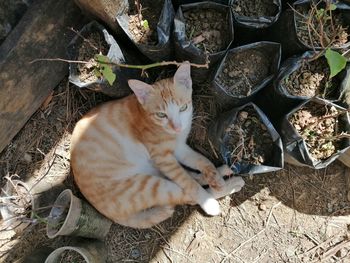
294,215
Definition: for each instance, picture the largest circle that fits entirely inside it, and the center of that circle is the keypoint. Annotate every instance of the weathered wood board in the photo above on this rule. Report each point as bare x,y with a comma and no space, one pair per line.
43,32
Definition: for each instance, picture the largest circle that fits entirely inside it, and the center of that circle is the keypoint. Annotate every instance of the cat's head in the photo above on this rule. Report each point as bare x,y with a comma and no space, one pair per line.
168,102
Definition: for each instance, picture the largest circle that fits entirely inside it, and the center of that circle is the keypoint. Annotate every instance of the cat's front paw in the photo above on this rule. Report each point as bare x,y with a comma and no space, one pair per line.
225,170
211,207
213,177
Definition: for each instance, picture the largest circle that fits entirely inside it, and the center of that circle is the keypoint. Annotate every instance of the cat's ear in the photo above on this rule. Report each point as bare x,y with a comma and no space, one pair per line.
141,89
182,76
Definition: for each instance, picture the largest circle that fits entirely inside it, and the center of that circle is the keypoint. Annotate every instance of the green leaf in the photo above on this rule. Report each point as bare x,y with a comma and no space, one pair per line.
97,73
336,62
145,24
105,69
320,13
108,74
332,7
101,58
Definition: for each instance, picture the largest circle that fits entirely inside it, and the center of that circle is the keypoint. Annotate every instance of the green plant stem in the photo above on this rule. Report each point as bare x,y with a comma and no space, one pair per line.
142,67
338,137
39,218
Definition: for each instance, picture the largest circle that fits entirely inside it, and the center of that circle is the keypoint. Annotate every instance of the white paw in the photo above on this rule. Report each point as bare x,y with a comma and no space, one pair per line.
224,170
234,184
211,207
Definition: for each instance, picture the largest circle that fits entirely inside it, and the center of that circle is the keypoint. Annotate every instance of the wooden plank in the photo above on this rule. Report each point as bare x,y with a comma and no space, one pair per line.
43,32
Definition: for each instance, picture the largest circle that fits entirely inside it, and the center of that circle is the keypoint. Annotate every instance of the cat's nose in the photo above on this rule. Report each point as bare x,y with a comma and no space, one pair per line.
176,127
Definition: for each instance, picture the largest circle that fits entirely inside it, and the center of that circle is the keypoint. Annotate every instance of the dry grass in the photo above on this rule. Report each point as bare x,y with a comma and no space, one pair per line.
294,215
205,110
39,156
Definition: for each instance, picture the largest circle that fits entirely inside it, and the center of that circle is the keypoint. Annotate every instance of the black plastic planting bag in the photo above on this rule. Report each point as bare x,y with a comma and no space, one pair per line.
285,30
219,136
292,64
177,3
185,48
247,69
255,20
295,148
163,50
120,86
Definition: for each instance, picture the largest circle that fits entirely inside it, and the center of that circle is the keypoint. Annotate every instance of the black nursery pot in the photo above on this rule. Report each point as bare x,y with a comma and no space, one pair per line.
244,71
163,48
177,3
296,148
254,129
301,75
120,86
245,15
285,30
185,49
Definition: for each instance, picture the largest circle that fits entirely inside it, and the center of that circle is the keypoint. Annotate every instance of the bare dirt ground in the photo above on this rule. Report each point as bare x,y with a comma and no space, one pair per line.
294,215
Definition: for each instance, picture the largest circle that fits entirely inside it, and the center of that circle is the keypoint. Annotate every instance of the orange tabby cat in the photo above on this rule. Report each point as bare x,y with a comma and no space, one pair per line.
126,155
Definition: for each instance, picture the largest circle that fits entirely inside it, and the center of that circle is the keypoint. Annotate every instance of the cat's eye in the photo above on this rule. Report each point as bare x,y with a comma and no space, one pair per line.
183,107
161,115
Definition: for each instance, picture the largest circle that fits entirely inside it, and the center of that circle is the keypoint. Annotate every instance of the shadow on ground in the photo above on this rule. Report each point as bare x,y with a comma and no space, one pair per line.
41,149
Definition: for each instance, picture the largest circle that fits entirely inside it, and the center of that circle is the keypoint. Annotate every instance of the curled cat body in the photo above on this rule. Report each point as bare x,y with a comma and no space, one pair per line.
126,155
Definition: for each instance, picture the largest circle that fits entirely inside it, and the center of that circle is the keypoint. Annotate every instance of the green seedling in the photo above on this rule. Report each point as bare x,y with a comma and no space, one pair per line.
336,61
145,24
104,69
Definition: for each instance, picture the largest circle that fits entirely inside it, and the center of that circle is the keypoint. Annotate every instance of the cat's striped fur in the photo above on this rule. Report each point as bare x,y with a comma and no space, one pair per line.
126,155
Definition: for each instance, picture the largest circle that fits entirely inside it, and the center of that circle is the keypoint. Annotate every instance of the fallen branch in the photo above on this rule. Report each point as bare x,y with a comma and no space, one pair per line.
142,67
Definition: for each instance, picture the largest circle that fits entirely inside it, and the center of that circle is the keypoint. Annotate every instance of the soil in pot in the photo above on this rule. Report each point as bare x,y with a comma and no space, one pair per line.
312,79
71,256
255,8
205,109
144,16
318,125
248,139
207,29
335,31
242,71
93,44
